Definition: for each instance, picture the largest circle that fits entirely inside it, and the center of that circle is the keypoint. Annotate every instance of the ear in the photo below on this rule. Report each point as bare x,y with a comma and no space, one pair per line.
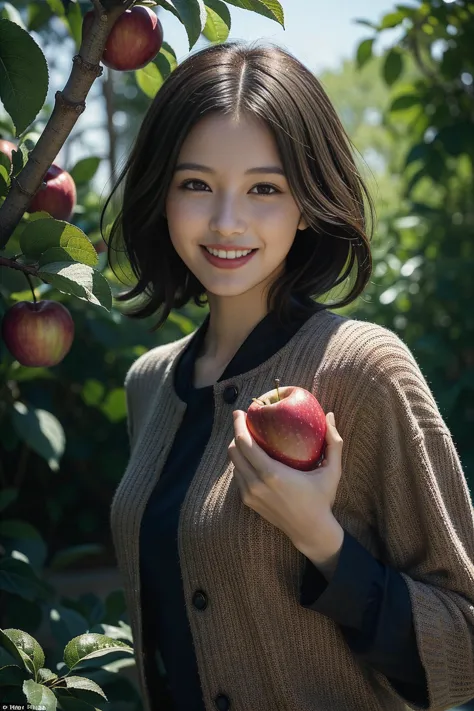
303,223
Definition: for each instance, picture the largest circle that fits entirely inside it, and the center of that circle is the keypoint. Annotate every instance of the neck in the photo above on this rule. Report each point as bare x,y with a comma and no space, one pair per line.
231,320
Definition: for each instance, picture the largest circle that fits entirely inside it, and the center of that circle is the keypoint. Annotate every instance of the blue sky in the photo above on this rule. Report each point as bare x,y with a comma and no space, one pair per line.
319,33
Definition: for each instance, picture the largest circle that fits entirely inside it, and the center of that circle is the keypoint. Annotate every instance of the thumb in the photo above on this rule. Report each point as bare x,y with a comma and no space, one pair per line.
334,442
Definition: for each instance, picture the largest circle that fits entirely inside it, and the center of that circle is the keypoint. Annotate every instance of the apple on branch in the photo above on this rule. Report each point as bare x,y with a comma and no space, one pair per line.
134,40
38,334
58,196
289,424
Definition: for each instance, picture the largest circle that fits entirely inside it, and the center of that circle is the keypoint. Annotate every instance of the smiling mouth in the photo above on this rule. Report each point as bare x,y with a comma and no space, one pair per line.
248,252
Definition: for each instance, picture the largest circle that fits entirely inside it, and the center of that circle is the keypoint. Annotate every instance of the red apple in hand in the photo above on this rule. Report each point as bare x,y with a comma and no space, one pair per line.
289,424
134,40
38,334
58,197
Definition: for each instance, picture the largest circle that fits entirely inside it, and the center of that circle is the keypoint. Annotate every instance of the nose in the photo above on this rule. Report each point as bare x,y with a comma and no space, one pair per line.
227,219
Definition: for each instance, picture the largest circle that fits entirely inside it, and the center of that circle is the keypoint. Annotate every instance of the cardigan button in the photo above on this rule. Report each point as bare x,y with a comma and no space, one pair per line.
222,702
200,600
230,394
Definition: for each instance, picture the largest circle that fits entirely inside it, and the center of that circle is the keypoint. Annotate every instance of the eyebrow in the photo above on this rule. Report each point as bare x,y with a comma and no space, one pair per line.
205,169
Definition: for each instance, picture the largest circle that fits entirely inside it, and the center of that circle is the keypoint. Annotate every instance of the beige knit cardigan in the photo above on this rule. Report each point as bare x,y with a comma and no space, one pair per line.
402,495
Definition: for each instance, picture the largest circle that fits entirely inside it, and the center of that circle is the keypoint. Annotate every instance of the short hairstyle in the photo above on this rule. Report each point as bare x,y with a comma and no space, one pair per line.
265,82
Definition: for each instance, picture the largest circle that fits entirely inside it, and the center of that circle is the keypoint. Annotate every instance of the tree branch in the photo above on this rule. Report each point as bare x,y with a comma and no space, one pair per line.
69,105
13,264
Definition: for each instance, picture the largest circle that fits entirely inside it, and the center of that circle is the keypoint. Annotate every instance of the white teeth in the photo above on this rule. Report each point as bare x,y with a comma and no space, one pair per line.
228,254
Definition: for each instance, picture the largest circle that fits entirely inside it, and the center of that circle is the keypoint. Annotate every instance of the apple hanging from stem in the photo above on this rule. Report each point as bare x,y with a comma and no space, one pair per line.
38,334
289,424
134,40
57,195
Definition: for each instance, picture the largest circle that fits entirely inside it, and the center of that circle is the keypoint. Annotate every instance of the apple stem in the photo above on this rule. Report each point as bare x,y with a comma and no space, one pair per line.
31,287
277,383
260,402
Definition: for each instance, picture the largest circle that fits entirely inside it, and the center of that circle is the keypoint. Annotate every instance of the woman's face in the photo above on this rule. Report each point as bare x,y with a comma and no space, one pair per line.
228,207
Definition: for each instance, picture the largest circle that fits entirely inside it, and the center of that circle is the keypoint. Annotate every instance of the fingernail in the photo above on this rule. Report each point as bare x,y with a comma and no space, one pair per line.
331,418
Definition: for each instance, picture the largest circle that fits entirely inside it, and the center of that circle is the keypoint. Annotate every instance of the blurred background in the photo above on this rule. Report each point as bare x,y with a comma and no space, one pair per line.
401,78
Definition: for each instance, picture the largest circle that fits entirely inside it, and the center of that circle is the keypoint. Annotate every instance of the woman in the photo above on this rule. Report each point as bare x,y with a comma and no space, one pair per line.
252,586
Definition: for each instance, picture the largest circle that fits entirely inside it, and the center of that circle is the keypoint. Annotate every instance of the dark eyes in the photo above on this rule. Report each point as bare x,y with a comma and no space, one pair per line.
260,185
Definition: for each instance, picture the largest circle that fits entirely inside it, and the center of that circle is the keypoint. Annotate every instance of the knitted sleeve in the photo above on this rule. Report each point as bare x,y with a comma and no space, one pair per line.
424,514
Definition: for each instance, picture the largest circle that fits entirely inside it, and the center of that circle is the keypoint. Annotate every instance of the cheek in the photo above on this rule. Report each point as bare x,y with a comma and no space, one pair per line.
182,210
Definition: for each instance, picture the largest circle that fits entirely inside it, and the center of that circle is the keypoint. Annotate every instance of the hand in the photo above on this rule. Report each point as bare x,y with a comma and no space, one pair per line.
298,503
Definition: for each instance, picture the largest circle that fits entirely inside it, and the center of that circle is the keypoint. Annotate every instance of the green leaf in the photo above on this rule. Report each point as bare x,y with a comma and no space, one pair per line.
39,215
7,497
93,392
93,608
393,19
63,559
9,654
366,23
29,649
33,551
191,13
75,253
38,15
39,696
417,152
19,158
364,52
18,578
17,528
29,140
452,63
123,631
41,430
115,606
85,169
151,77
72,704
408,10
79,682
78,280
73,22
392,66
89,646
267,8
456,139
66,624
6,164
45,674
41,236
218,22
115,405
57,7
23,75
8,12
4,182
414,180
405,101
12,675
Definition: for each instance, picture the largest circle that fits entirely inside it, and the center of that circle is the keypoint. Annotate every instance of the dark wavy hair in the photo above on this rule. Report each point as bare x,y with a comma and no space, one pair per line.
270,84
